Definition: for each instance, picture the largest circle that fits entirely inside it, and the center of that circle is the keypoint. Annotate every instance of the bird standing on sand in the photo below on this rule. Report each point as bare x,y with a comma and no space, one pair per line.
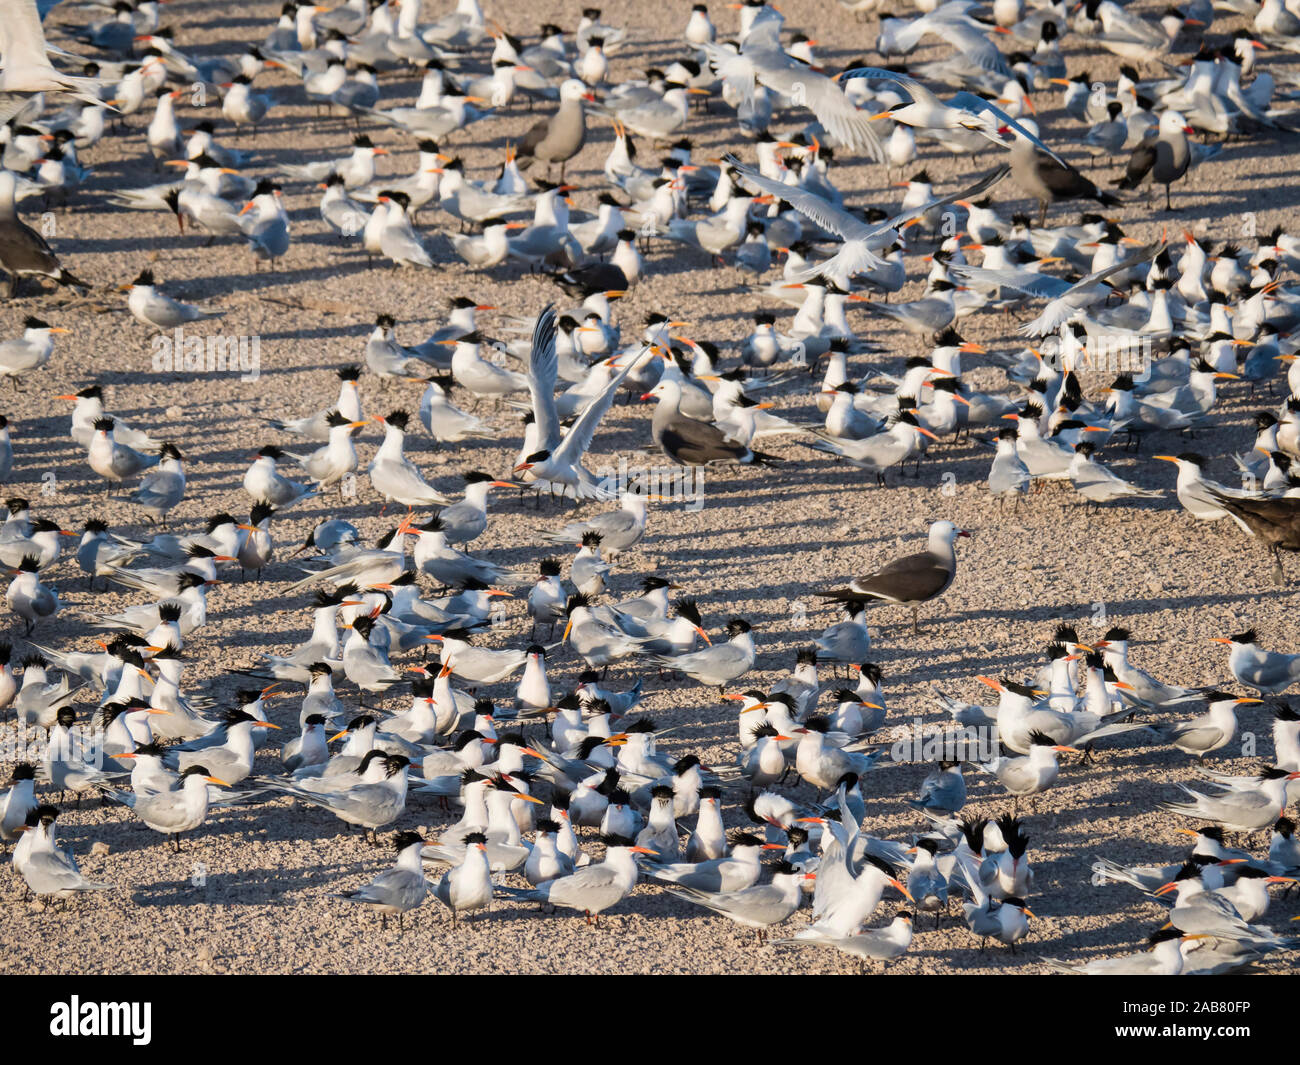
912,579
559,138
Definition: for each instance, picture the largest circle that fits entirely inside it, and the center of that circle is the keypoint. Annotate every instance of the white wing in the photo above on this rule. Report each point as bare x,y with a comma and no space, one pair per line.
542,370
1043,285
977,105
810,205
578,439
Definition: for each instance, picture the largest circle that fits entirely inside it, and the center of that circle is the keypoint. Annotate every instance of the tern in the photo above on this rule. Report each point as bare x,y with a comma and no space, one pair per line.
1032,773
721,664
762,61
149,306
861,240
399,889
559,459
1208,732
370,803
446,422
1248,809
31,351
329,465
1267,672
759,906
823,766
47,868
264,482
730,873
174,812
467,886
620,530
18,801
595,888
393,475
1065,299
1163,957
873,944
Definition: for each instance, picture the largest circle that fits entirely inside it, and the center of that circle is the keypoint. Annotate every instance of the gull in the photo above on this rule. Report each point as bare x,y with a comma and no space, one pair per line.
861,240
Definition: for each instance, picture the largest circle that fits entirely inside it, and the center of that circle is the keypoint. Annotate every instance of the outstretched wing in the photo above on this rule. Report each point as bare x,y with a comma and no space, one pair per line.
542,371
982,185
919,93
841,117
578,439
977,105
810,205
1045,286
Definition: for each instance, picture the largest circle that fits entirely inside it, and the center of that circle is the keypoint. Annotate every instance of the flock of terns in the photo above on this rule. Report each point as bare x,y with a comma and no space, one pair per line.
528,773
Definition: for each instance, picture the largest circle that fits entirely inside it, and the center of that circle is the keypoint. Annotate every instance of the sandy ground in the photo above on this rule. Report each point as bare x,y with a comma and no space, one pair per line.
763,541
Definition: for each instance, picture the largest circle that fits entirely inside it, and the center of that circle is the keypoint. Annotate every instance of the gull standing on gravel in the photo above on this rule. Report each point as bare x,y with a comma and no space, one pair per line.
560,137
912,579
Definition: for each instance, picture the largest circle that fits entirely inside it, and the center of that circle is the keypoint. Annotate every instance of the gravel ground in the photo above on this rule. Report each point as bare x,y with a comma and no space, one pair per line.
761,544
